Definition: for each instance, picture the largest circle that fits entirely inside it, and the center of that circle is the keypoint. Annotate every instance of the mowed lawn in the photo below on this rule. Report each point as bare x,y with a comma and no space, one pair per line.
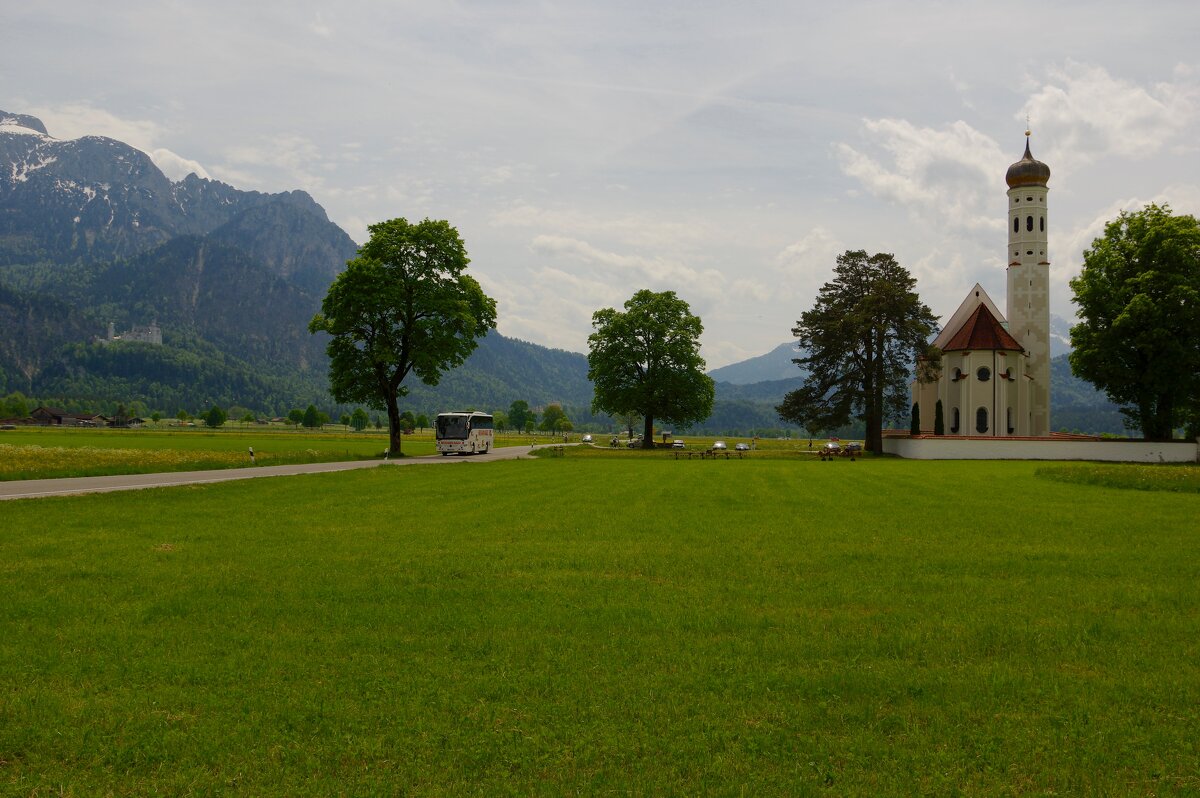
605,625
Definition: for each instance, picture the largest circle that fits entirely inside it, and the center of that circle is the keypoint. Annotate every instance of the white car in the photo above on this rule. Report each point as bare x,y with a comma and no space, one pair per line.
719,446
677,443
587,438
741,447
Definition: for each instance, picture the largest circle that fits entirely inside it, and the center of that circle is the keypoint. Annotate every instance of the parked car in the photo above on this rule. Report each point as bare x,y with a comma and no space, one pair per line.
831,448
854,448
719,446
587,438
634,443
677,443
741,447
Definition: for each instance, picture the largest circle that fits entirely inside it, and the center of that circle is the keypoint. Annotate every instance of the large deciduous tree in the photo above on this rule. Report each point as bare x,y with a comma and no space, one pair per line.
860,341
1138,338
646,361
552,416
519,413
404,305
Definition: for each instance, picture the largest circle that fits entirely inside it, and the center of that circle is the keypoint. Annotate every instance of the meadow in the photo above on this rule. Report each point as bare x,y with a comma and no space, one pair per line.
49,452
605,624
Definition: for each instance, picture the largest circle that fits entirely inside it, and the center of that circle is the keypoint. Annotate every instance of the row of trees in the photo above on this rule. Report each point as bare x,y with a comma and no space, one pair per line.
406,306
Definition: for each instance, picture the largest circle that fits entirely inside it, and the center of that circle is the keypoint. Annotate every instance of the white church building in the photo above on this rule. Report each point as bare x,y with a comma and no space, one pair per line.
994,381
995,375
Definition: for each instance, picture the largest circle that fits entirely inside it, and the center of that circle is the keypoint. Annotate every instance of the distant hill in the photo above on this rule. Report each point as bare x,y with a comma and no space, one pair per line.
774,365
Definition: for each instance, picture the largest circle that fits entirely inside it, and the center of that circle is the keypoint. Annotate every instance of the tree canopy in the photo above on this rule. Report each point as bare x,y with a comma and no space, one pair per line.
552,417
404,305
860,341
646,361
215,417
1138,338
519,413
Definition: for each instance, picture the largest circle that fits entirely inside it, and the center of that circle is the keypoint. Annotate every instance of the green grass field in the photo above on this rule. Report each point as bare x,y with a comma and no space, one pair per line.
50,452
605,625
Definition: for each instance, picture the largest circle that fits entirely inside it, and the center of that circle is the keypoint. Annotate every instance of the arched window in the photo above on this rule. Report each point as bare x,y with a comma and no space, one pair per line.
1016,224
981,420
1011,428
984,374
1029,224
954,420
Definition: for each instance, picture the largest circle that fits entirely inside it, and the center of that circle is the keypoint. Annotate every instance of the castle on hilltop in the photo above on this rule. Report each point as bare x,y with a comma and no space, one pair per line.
995,375
149,334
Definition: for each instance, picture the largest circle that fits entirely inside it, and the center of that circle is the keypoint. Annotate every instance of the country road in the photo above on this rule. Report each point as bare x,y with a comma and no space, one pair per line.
67,486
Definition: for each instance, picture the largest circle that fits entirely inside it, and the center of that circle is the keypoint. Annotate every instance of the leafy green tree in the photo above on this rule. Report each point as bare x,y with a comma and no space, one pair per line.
215,417
156,416
1139,305
422,421
358,419
248,418
296,416
345,419
551,417
529,425
500,420
519,413
183,415
867,328
312,417
404,305
408,420
15,406
646,360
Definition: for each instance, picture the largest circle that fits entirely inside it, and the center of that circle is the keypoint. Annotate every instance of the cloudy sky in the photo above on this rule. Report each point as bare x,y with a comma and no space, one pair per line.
585,150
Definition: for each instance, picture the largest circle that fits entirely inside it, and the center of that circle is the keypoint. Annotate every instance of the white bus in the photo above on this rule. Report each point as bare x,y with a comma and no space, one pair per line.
464,432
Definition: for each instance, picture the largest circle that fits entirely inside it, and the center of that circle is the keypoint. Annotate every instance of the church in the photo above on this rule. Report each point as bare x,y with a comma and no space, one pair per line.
995,374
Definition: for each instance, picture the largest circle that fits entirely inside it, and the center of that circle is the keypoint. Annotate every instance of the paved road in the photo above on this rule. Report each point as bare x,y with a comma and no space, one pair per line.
36,488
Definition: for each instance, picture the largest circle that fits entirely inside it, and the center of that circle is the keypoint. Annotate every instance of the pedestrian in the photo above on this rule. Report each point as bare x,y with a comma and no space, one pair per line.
251,455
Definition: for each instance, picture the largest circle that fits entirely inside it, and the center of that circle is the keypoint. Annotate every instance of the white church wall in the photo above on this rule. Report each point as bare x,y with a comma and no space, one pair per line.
955,448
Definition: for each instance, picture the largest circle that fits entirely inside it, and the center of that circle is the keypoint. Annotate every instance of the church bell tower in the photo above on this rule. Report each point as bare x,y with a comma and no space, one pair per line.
1029,279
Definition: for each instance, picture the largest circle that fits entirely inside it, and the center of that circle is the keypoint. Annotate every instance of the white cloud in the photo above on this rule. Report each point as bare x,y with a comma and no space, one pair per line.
74,120
320,27
175,166
1084,115
941,176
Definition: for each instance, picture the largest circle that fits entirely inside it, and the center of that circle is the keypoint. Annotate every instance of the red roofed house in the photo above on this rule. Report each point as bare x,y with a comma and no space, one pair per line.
995,376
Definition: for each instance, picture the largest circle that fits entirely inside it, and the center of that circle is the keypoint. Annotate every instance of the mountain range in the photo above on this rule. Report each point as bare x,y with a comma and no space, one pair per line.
93,234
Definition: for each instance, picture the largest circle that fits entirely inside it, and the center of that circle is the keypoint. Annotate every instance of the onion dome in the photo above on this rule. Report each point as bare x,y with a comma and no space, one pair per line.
1028,171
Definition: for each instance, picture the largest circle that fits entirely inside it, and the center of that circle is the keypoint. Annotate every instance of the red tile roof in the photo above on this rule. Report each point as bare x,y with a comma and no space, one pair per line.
982,331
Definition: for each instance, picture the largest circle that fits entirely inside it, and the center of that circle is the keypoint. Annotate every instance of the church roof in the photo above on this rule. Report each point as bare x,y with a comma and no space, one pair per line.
981,331
1028,171
975,297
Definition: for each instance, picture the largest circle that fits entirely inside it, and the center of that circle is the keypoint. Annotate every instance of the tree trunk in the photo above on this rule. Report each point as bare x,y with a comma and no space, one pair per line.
393,412
648,433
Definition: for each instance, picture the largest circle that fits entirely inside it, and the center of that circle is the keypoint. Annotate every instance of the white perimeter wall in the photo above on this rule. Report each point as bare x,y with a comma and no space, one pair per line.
942,448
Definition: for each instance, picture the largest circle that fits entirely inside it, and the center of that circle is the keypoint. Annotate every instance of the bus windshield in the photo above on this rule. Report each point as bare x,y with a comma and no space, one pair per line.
453,426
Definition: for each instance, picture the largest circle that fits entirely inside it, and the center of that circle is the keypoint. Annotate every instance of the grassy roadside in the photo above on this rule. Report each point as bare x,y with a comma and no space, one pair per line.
42,453
597,625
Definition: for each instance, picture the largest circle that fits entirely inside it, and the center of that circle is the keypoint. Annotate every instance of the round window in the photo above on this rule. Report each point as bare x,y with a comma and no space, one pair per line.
984,374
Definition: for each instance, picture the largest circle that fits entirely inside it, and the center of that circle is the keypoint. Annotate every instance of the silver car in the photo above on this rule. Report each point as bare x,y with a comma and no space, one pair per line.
719,446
